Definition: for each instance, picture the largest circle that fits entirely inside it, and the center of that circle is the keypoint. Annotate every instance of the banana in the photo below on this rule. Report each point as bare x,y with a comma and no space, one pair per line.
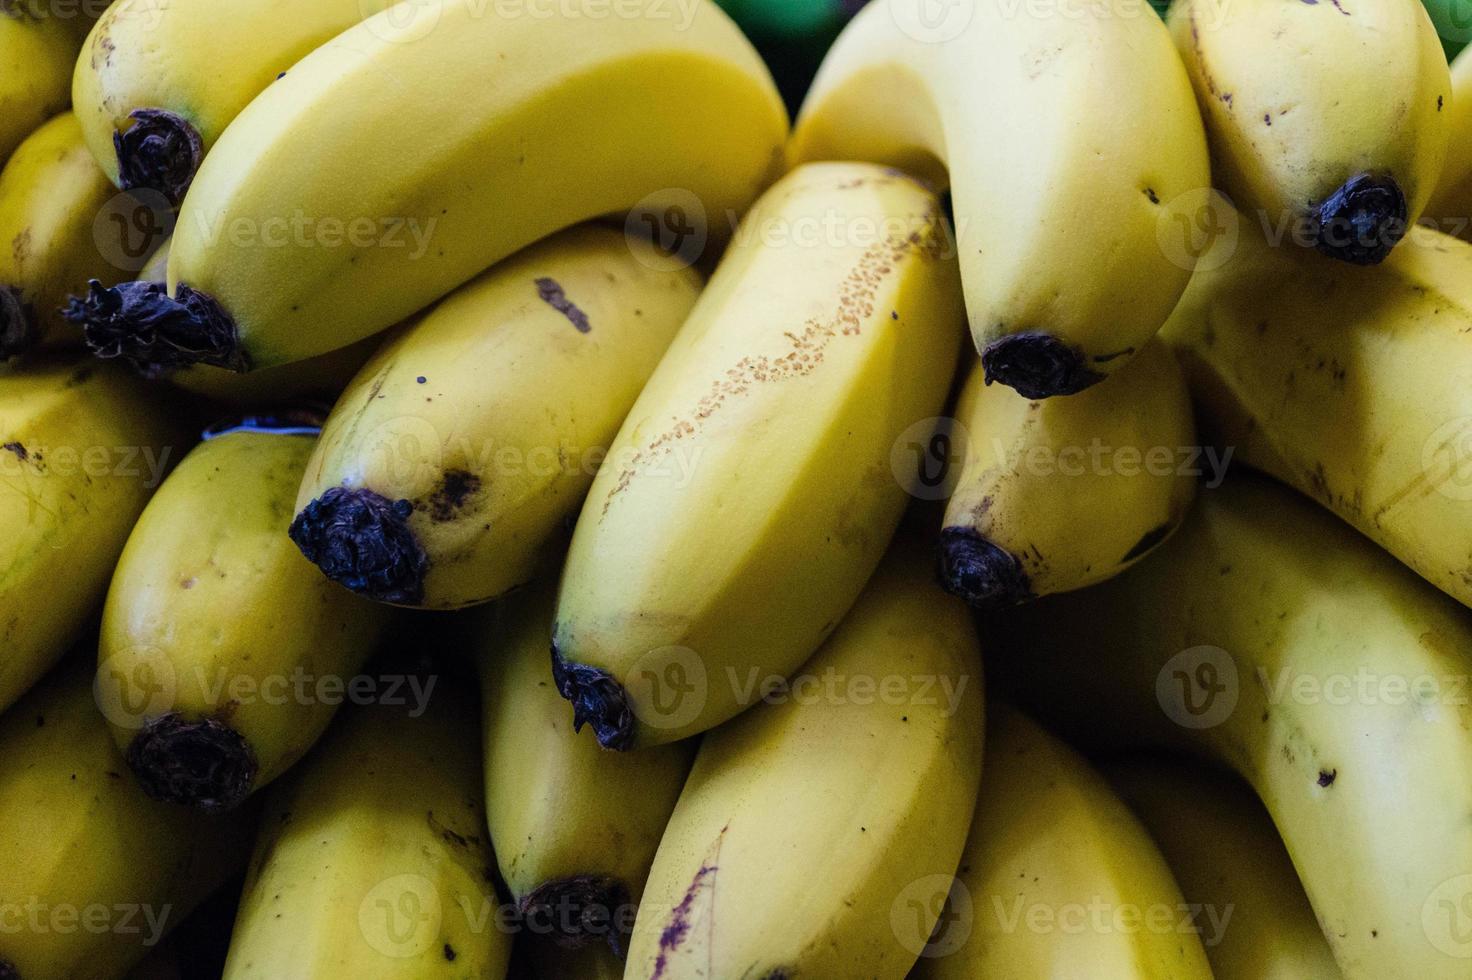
1277,343
36,58
1269,637
1229,859
431,141
475,432
1329,116
157,83
1072,144
1061,494
750,493
575,828
812,825
1450,209
1058,878
82,448
218,638
372,860
77,15
57,215
94,872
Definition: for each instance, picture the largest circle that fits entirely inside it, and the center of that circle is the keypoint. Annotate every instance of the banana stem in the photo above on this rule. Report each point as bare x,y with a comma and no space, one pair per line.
976,570
362,541
1037,366
142,324
598,700
579,911
205,764
159,152
18,328
1361,221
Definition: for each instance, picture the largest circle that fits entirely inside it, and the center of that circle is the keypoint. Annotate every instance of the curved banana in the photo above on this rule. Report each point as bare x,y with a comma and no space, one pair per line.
469,439
574,828
750,494
812,833
1275,343
1450,209
431,141
372,859
1058,878
1326,120
1269,636
1062,494
36,58
1073,148
157,83
57,216
218,638
94,872
82,448
1228,858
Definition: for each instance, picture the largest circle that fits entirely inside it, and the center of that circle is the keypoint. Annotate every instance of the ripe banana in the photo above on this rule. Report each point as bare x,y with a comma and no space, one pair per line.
575,828
1058,878
431,141
1270,637
1276,343
1326,118
814,828
1061,494
1450,209
157,83
749,494
57,217
82,448
36,58
372,861
94,872
475,432
1227,857
1072,144
224,654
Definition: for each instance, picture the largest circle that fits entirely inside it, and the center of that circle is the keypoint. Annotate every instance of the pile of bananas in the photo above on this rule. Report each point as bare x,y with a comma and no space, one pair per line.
484,493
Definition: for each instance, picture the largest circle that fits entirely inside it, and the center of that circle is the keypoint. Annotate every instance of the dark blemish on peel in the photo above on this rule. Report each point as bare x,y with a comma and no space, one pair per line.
421,379
450,953
21,453
552,294
1106,358
1154,197
1327,777
1267,118
455,489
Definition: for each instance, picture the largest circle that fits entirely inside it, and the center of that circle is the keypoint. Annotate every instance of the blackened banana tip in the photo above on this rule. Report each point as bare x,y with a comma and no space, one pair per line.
140,323
205,764
18,328
984,575
580,911
598,700
362,541
159,152
8,971
1361,221
1037,366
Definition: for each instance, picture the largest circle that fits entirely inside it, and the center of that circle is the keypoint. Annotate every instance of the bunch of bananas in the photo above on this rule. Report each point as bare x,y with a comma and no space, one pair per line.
487,492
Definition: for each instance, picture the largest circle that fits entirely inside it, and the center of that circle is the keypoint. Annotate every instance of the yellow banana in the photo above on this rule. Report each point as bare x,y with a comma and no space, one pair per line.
575,828
224,653
63,228
475,432
1227,857
1062,494
94,872
82,448
36,57
1268,636
372,861
750,494
157,83
1355,386
431,141
1073,148
815,829
1450,209
1058,878
1330,118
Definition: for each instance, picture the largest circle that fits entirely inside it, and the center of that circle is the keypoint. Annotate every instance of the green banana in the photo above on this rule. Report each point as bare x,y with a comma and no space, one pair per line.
750,492
224,654
475,432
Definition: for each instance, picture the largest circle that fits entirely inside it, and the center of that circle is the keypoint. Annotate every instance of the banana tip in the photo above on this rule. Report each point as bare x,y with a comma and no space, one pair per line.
1037,365
18,329
580,911
140,323
597,699
974,569
159,152
1361,221
205,764
362,541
